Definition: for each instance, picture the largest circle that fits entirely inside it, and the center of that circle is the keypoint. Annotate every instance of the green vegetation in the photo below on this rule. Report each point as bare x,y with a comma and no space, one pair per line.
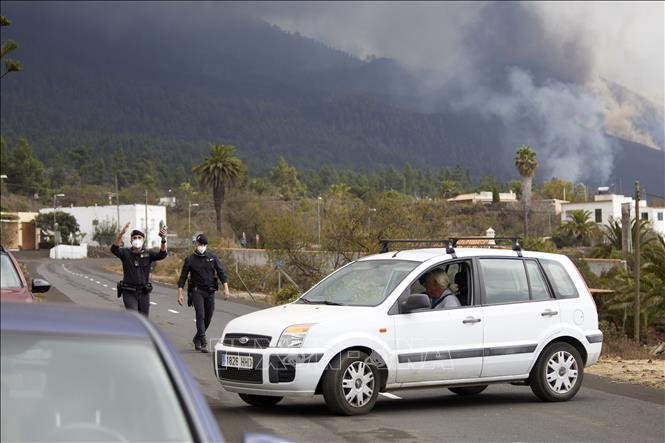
526,164
220,171
6,47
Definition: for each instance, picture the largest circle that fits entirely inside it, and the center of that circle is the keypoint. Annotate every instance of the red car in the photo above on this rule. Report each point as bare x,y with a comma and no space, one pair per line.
13,285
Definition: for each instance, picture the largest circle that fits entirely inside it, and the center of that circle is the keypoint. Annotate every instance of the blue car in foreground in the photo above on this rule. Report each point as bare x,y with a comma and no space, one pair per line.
77,374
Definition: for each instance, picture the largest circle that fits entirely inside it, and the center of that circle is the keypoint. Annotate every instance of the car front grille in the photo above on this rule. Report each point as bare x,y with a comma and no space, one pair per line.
247,341
253,375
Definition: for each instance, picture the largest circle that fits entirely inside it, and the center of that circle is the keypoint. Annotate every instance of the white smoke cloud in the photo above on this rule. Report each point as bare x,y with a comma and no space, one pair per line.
562,122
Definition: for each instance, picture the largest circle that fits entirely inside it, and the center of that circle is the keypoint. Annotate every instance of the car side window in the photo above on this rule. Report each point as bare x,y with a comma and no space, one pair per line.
504,281
536,282
559,279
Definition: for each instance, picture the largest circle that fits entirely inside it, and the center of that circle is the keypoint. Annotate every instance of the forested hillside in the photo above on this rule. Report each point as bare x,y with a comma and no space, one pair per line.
130,93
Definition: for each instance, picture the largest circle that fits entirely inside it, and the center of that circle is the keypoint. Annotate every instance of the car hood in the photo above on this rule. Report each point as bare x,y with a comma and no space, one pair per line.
273,321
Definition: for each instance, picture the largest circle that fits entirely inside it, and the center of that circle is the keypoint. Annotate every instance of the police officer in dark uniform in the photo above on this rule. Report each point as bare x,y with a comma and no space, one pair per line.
135,286
203,269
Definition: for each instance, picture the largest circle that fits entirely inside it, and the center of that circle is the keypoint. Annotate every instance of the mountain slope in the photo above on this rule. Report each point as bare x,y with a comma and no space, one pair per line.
166,92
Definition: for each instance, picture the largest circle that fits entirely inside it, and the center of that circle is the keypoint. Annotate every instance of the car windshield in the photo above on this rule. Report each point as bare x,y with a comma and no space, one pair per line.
9,276
363,283
63,388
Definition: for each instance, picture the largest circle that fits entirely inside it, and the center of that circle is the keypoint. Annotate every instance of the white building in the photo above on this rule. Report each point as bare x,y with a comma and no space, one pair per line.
606,207
88,216
484,197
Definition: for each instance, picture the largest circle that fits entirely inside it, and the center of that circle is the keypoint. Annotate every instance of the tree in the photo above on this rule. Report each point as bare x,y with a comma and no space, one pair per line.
104,232
7,47
526,164
285,180
25,174
579,225
67,226
220,171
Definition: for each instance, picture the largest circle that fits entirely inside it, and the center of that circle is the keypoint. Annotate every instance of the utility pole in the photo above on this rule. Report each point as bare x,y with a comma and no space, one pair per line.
146,217
117,201
626,235
637,262
189,218
318,219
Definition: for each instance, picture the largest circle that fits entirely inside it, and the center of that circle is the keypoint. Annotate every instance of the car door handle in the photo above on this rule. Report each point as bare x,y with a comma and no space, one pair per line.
470,320
549,313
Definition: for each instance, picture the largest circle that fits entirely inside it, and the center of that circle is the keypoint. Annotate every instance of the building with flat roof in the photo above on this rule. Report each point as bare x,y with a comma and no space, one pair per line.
606,207
145,218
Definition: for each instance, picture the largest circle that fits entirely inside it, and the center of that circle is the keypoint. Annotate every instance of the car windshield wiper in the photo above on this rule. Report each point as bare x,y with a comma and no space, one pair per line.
320,302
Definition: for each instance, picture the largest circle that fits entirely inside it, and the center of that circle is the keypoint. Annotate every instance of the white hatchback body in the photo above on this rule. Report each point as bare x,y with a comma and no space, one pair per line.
514,305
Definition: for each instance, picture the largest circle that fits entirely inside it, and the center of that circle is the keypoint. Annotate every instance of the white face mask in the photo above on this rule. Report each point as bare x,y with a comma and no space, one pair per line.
137,243
201,249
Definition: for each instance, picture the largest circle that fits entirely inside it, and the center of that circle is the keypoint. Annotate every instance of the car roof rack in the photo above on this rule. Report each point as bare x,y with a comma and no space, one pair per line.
384,243
452,242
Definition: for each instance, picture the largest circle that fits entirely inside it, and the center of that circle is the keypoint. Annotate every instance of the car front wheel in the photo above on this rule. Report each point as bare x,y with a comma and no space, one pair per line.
351,384
262,401
557,375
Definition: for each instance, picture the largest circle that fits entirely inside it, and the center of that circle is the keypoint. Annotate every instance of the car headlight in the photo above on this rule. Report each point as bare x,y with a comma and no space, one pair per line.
294,336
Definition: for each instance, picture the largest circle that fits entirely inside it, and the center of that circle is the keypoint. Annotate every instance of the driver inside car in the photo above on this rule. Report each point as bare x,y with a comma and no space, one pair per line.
438,288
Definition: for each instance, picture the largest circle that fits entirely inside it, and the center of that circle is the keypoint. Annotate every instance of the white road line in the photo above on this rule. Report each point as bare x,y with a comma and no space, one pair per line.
389,395
99,283
173,311
105,285
113,289
153,303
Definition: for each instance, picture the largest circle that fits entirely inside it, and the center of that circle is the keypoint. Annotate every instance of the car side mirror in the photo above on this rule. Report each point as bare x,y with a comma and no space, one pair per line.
39,285
415,302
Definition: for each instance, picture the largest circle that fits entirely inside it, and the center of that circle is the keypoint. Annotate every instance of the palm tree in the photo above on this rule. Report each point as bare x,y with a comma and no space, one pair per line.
220,170
526,164
579,225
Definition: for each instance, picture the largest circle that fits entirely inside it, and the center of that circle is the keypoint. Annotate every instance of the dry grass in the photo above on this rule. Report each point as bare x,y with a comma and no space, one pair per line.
625,349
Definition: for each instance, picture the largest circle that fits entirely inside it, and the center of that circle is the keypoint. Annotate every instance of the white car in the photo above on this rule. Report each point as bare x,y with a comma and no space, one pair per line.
525,318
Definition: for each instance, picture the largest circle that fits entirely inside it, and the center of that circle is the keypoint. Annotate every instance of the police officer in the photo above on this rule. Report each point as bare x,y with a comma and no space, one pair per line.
203,269
136,261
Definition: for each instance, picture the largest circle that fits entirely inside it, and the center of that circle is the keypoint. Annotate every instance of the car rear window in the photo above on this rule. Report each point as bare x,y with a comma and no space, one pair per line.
8,275
66,388
504,281
559,279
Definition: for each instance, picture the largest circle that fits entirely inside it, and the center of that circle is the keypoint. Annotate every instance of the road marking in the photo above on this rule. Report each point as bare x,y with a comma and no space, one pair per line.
153,303
174,311
389,395
105,285
99,283
113,289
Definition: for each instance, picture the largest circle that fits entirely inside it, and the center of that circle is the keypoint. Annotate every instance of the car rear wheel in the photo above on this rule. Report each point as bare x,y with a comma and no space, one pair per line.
351,384
558,373
262,401
468,390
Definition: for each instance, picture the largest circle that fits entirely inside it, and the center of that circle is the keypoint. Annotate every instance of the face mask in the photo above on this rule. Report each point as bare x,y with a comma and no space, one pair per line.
137,243
201,249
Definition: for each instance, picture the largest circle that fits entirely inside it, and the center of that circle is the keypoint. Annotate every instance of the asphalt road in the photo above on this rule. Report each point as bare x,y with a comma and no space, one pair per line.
601,411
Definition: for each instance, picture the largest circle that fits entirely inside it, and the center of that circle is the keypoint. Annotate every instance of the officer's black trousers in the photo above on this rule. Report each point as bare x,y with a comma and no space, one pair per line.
204,305
137,301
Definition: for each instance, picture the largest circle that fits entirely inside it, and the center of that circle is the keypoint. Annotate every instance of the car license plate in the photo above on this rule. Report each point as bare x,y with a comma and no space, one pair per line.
238,361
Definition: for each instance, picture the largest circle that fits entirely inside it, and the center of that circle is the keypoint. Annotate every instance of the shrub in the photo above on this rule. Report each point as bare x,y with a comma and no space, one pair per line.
287,294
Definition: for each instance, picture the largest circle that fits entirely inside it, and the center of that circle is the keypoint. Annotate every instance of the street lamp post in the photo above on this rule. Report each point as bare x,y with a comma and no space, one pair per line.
369,220
189,217
318,218
55,223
